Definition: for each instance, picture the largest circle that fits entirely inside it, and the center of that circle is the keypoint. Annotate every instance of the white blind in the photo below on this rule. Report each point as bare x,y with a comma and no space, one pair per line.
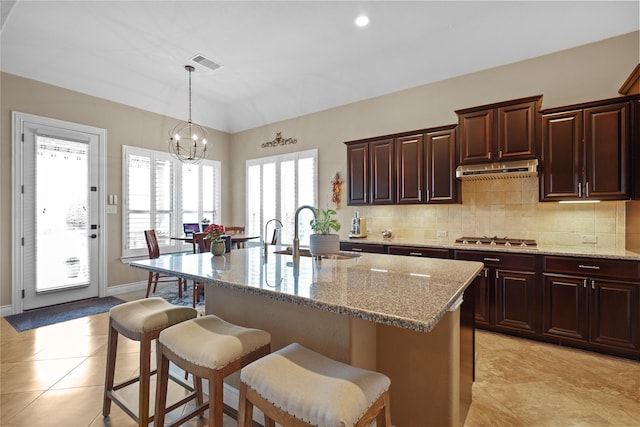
276,186
164,196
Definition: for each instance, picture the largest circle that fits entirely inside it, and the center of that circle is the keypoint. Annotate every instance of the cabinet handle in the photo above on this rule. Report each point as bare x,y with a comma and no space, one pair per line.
415,253
590,267
584,283
427,195
497,275
356,249
593,284
586,189
492,259
486,273
500,153
579,189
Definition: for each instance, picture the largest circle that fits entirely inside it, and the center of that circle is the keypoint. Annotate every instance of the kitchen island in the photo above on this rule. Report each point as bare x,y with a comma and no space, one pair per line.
394,314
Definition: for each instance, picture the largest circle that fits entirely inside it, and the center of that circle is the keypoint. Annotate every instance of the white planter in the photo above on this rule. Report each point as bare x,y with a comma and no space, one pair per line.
324,244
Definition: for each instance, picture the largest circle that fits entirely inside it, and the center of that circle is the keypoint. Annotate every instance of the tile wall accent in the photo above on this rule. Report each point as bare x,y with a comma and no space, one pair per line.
633,226
505,207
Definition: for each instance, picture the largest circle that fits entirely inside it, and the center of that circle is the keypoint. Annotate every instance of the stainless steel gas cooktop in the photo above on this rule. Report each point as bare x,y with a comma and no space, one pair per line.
496,241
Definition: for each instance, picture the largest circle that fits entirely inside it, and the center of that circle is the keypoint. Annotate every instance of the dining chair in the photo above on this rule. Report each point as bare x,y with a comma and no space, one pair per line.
235,230
203,245
154,252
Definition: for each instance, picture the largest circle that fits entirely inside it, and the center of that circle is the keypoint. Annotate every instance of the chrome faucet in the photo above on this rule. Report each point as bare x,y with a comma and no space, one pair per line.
264,236
296,240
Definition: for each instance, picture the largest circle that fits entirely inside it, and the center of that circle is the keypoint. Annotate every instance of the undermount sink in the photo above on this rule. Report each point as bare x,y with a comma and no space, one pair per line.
305,252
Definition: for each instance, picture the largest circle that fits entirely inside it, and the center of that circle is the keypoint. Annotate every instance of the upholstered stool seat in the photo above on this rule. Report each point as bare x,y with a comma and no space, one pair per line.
142,321
207,347
296,386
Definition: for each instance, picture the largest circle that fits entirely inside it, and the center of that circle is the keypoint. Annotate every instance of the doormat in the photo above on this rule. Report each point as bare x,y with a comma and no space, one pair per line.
61,313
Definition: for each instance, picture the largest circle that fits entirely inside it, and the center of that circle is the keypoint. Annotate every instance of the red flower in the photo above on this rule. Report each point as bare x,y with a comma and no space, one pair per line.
214,231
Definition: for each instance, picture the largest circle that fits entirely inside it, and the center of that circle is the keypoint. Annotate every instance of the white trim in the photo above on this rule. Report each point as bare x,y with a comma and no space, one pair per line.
17,120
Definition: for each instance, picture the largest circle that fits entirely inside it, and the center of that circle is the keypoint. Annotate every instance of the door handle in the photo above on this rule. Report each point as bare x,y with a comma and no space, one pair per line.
94,236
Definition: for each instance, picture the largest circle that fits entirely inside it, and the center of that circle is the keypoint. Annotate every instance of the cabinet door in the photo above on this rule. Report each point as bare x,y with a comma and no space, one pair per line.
409,155
515,301
420,251
564,307
476,137
382,172
561,156
606,136
615,314
363,247
517,131
358,174
440,161
482,295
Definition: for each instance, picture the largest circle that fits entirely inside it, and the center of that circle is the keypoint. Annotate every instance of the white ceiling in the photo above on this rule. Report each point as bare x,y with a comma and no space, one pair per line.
283,59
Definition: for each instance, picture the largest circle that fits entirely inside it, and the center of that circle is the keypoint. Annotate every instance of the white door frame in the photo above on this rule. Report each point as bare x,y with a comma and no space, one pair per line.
17,223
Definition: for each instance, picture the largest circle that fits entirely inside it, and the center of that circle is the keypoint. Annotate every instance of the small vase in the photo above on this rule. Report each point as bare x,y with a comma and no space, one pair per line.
217,248
324,244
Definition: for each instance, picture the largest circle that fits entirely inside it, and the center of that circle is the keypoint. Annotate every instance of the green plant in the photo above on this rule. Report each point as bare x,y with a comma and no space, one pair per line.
324,223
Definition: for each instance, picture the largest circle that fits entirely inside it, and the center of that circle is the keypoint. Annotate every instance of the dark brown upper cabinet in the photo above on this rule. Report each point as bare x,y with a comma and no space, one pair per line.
383,179
586,150
499,132
358,174
441,165
409,167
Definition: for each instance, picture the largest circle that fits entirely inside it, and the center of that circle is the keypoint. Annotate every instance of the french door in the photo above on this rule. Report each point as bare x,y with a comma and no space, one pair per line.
58,212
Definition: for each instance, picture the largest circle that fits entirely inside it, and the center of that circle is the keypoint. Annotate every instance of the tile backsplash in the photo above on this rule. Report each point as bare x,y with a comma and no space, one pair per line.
507,207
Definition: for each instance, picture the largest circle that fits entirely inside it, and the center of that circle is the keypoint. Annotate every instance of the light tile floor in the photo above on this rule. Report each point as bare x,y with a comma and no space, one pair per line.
54,376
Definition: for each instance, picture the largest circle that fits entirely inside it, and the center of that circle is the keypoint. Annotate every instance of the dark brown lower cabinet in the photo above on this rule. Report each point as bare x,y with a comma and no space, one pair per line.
599,312
506,292
516,301
363,247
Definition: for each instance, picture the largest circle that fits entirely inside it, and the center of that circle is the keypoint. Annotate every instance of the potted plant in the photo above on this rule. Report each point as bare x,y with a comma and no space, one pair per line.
214,233
323,242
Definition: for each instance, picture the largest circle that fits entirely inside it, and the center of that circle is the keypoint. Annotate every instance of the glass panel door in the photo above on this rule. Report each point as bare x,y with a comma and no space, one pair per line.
62,214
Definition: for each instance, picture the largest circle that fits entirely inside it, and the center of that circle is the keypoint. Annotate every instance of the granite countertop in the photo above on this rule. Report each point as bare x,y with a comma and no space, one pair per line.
579,251
406,292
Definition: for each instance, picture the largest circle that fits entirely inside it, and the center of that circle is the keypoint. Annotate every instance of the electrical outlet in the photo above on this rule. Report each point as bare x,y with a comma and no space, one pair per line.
441,233
589,238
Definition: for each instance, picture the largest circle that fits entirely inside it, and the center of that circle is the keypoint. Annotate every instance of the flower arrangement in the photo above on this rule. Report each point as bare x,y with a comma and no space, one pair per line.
214,231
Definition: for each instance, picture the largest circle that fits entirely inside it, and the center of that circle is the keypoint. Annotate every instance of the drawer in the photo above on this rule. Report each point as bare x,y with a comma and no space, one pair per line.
418,251
592,267
363,247
500,259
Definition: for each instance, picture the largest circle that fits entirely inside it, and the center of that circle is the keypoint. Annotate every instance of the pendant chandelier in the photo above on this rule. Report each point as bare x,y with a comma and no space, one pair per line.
188,141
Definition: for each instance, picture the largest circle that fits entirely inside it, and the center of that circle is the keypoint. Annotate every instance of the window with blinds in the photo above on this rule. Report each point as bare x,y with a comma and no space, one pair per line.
276,186
161,193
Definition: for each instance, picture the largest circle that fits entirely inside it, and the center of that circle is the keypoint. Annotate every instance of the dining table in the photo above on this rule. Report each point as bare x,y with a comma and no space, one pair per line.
236,239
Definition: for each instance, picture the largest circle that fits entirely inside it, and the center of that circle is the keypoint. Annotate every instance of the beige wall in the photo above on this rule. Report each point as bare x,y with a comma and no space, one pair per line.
586,73
125,126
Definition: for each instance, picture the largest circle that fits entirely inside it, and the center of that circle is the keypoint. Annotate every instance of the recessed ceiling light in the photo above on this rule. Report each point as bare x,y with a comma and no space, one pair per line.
361,21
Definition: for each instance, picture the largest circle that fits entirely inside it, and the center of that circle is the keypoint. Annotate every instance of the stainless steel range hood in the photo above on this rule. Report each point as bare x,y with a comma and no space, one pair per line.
486,171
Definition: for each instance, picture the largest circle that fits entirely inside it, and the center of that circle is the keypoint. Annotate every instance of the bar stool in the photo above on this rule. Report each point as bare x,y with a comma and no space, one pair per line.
142,321
297,387
207,347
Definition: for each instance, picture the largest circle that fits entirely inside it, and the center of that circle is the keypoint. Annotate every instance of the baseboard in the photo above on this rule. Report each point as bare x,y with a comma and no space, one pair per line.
127,287
6,310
